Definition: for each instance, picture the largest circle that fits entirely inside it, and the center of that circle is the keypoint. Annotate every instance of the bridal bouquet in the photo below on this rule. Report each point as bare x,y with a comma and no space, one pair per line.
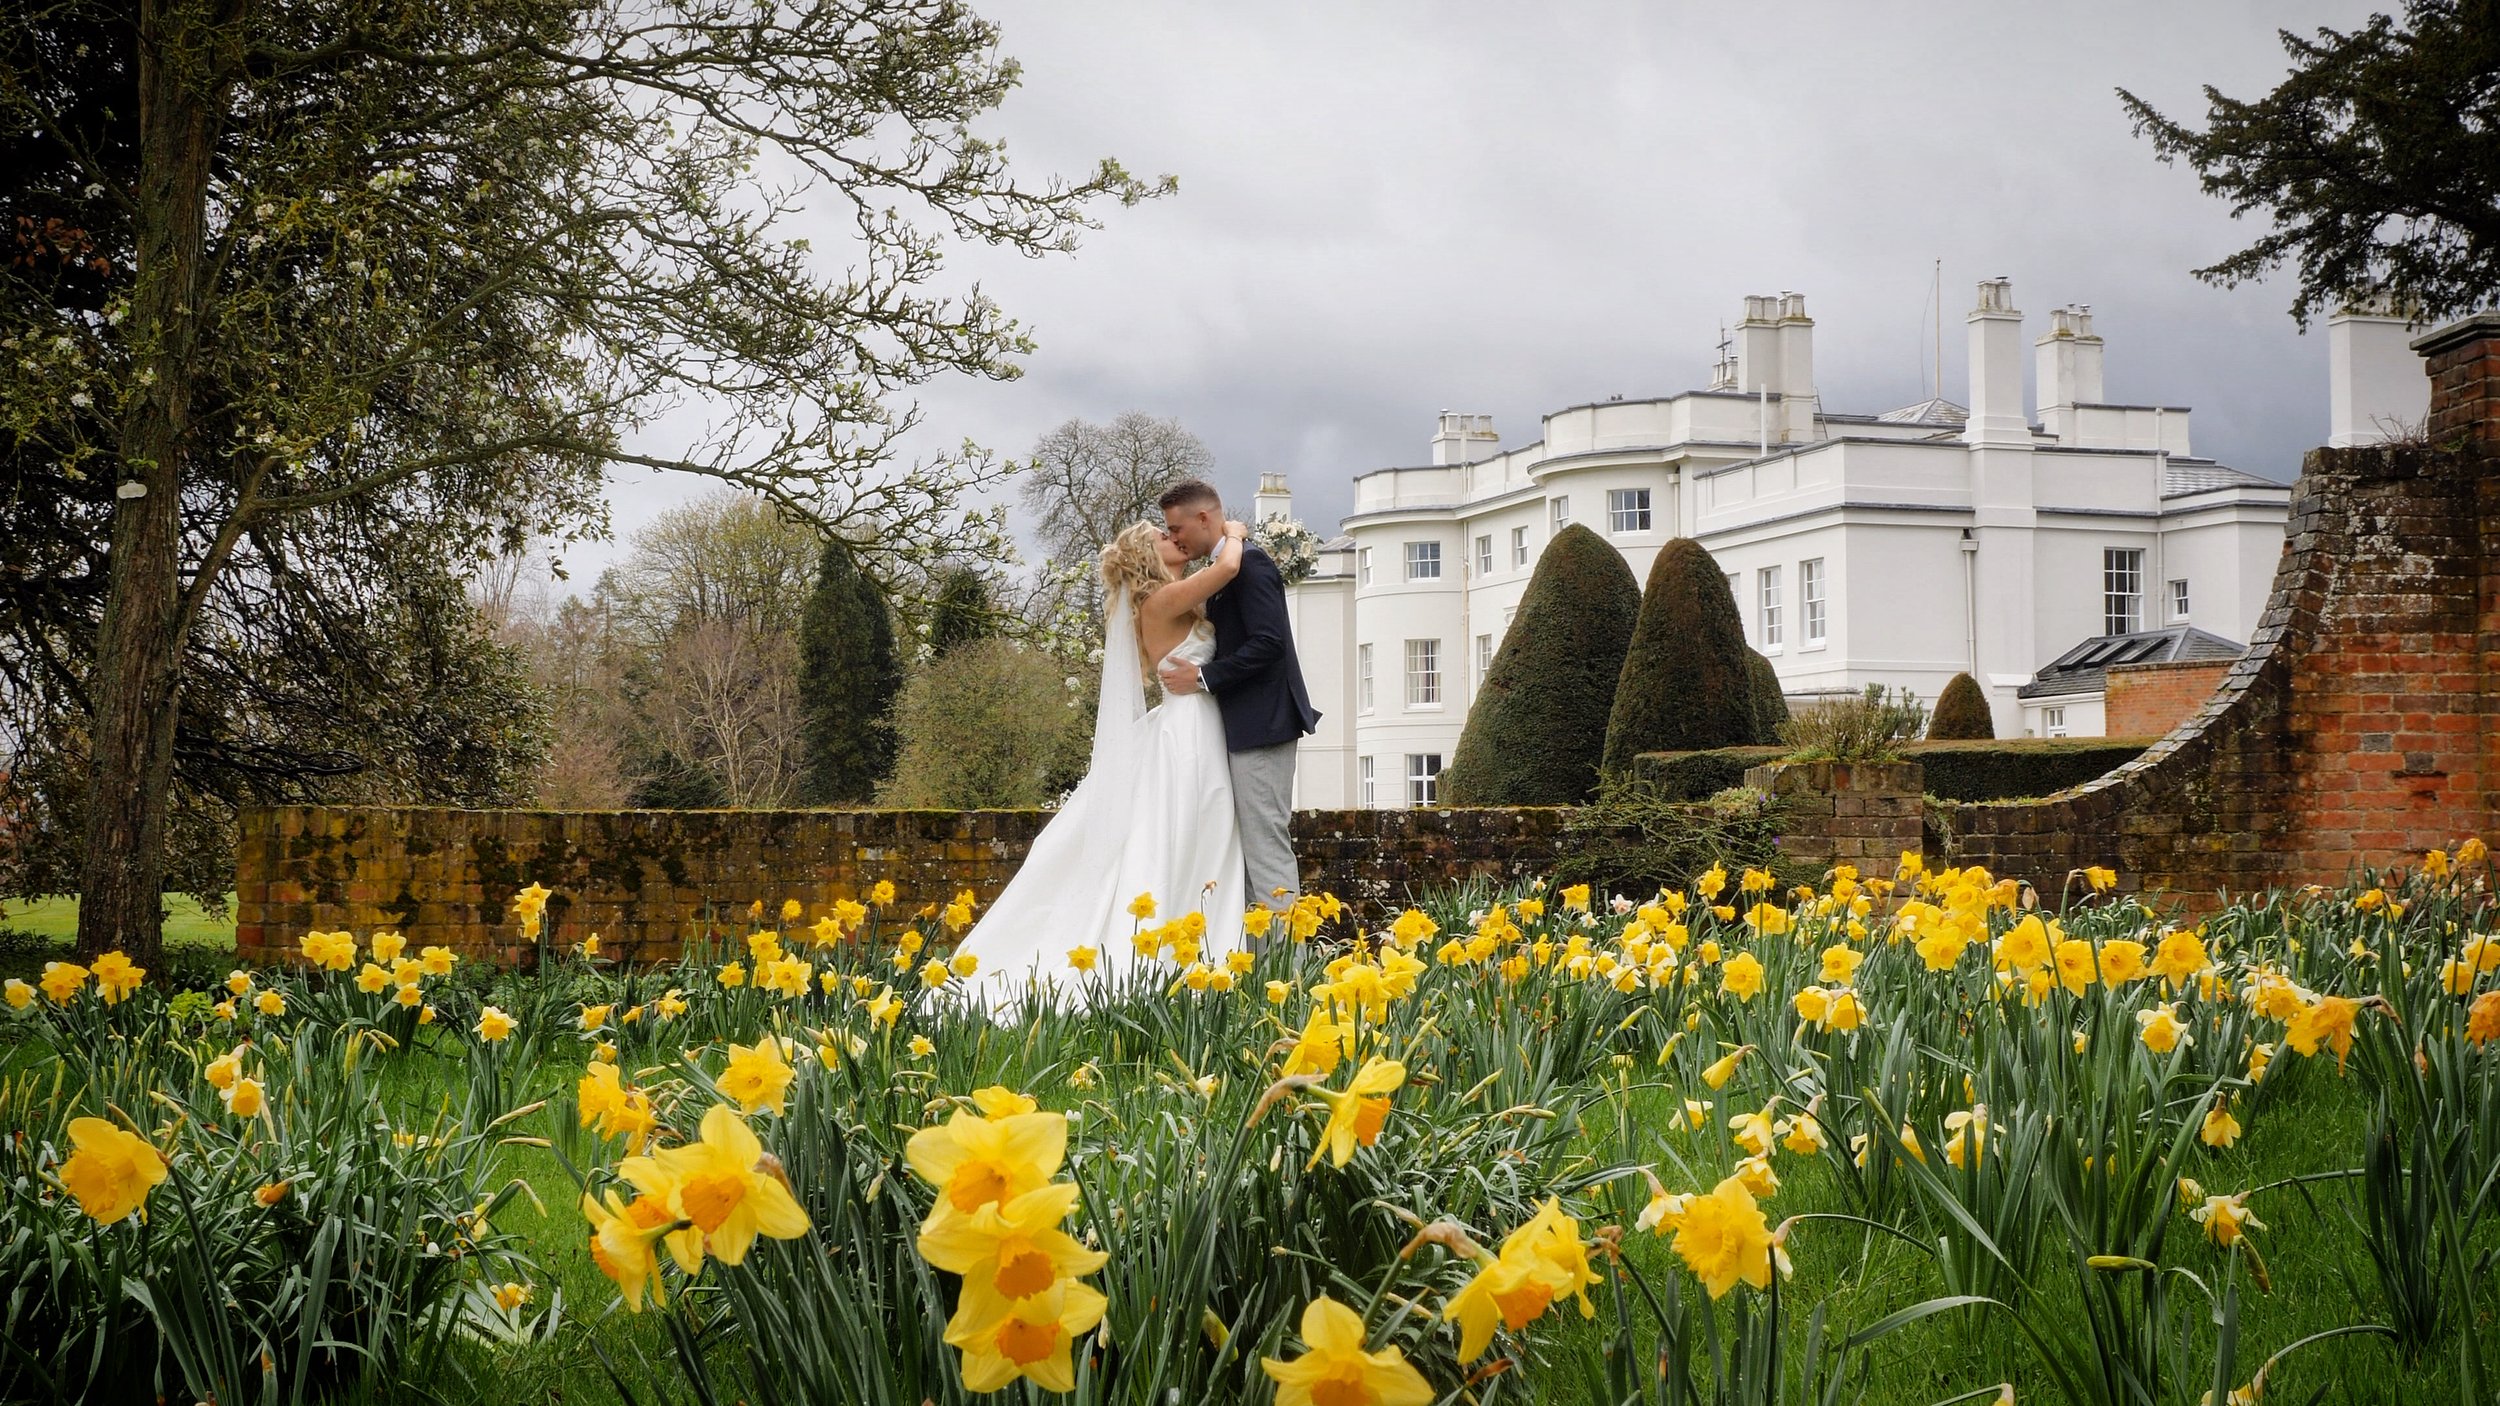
1293,547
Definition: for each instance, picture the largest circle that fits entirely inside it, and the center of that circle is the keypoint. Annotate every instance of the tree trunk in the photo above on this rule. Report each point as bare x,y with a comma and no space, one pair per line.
137,682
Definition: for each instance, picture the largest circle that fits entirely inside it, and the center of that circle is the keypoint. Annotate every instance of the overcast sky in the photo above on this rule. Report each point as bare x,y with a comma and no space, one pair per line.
1386,210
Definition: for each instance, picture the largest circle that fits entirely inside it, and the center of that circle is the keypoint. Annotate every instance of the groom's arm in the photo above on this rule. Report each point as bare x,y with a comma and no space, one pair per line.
1263,647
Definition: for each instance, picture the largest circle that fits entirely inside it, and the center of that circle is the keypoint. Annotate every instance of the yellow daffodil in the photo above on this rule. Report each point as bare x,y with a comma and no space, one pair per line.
2327,1021
493,1025
725,1186
110,1170
1741,977
116,976
974,1161
1542,1261
2161,1029
1337,1368
62,980
2220,1128
624,1241
2226,1218
1011,1251
1723,1238
1357,1115
1753,1132
1031,1340
2122,961
245,1098
1724,1067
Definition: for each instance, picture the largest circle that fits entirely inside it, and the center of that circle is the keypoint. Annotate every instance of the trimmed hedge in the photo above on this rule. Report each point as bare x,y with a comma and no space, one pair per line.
1539,723
2015,767
1770,705
1686,681
1956,771
1961,713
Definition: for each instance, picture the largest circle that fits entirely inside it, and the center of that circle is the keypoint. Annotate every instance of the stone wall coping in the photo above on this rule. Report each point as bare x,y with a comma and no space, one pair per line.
2480,326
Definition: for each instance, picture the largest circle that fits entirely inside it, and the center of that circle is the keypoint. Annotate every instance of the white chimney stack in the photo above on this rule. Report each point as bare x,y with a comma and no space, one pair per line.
2376,389
1463,439
1273,499
1796,332
1760,362
2068,367
1996,368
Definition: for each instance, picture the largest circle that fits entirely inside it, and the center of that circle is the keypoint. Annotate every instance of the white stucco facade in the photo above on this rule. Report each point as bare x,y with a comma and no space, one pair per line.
1897,548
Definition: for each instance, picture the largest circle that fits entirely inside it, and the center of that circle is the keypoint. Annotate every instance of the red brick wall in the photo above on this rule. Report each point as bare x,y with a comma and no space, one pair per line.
648,880
2147,700
2360,727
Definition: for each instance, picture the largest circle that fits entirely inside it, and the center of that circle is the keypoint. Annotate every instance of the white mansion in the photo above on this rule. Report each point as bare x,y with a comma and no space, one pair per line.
1897,548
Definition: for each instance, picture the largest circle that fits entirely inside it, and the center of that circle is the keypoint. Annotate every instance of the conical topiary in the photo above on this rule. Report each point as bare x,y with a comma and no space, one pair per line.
1962,713
1770,704
1686,683
1539,722
848,676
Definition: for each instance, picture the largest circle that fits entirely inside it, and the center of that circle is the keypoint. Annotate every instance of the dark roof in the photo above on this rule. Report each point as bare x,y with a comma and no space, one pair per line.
1935,410
2182,477
2085,668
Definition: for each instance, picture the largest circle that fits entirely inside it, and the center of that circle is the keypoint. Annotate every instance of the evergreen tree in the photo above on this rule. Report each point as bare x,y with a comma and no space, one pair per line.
848,676
1770,704
2373,157
1539,723
1961,713
1686,684
960,612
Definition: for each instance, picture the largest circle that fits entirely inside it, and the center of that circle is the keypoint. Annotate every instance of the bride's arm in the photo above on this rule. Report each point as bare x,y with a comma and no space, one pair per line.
1192,590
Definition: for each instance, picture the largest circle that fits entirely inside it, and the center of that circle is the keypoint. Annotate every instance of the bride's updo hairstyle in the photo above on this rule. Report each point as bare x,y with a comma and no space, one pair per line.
1130,562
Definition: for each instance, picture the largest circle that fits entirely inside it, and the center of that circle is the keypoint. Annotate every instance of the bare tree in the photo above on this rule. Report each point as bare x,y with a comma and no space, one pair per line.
1088,481
728,701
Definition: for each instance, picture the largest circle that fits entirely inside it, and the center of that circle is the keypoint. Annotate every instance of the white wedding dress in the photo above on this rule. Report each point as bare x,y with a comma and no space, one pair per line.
1154,815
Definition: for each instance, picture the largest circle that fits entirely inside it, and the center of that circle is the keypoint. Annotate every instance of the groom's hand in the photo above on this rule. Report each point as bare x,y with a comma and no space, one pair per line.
1180,676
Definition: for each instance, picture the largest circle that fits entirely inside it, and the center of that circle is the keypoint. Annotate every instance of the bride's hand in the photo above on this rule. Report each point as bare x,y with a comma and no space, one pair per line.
1238,531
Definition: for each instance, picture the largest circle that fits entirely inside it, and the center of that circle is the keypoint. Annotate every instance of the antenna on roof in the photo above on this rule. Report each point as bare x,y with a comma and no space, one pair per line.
1939,282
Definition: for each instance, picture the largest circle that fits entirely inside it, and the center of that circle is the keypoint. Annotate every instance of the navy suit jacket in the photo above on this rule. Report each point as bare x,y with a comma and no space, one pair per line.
1254,676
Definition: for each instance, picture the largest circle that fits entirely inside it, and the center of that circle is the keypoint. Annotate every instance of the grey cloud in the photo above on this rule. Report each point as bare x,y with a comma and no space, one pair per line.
1386,210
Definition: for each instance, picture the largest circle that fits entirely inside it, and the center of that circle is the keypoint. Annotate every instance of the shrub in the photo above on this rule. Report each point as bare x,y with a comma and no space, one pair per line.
2018,767
1538,727
987,726
1770,703
1868,728
848,674
1956,771
1961,713
961,611
1686,683
1633,839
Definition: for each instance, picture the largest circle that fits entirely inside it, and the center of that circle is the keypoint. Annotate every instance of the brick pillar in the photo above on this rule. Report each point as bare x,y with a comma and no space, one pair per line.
1861,813
2463,362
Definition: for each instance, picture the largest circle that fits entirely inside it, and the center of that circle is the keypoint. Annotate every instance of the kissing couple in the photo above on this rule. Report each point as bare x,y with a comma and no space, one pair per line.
1189,801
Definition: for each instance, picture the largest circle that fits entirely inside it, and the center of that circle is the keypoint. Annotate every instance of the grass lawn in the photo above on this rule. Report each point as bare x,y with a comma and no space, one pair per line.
33,933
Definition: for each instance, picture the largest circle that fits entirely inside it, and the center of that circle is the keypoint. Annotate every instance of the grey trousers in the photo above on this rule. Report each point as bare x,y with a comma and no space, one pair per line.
1263,804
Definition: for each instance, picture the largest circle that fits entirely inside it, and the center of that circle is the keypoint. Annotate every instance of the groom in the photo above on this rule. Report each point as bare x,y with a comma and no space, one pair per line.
1257,685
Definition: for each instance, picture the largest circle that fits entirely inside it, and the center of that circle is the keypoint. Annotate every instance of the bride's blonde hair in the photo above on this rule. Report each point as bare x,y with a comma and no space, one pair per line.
1130,563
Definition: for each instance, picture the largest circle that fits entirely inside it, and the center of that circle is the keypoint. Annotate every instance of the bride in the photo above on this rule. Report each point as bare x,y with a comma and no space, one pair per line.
1154,814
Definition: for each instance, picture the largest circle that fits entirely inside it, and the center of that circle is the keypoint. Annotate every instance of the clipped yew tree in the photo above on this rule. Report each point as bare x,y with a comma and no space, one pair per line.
1538,726
1961,713
1687,680
1770,704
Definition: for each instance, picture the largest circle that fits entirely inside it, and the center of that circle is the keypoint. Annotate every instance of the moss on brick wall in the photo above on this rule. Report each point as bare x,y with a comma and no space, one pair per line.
1956,771
650,881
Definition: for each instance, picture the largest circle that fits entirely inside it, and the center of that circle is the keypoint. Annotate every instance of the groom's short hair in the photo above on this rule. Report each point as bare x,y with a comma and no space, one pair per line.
1190,493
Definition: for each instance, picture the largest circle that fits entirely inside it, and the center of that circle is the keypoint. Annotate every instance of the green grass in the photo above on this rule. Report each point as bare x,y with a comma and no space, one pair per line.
45,929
